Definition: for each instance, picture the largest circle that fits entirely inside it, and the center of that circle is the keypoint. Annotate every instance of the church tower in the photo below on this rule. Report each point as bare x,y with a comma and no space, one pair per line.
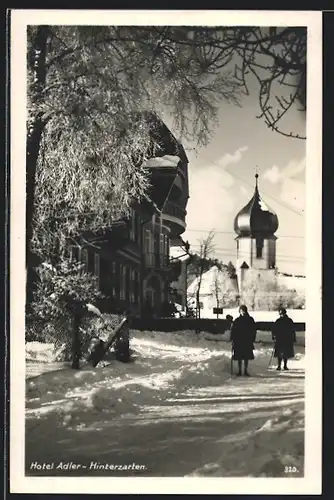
255,226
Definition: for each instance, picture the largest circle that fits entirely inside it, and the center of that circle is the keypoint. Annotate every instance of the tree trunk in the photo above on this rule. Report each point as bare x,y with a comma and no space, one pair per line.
37,63
198,304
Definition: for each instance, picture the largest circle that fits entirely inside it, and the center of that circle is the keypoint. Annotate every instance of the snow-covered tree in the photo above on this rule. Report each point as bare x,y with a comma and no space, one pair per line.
231,270
269,294
205,250
88,132
221,287
61,297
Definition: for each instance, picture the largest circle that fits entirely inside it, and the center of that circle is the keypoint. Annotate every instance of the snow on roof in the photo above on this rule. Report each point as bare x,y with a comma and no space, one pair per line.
162,161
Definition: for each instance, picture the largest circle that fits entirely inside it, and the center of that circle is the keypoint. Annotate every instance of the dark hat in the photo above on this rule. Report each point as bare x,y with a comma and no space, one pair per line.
243,308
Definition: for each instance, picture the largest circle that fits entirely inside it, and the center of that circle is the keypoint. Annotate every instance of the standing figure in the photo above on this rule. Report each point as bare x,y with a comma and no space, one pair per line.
284,336
229,320
122,346
243,334
122,342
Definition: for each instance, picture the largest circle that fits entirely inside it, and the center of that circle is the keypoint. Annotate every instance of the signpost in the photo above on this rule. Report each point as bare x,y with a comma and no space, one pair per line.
217,310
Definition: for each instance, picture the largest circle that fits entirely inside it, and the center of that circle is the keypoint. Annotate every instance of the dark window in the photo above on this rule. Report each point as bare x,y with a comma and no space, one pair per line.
132,286
259,248
114,279
123,282
162,240
137,286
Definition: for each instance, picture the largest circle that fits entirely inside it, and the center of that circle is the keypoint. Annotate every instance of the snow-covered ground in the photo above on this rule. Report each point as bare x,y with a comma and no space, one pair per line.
176,411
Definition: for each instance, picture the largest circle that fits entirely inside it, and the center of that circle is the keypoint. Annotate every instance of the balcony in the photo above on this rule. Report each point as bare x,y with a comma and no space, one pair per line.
174,216
156,261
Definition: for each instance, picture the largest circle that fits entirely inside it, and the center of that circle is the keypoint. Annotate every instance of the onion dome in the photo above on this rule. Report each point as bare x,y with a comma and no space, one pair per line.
256,218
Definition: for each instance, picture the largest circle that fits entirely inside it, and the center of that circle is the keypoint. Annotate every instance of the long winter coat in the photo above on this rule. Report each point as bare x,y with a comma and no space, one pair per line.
122,345
243,334
284,335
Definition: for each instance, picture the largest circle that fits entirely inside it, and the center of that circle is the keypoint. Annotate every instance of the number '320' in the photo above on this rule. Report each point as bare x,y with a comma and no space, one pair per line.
290,468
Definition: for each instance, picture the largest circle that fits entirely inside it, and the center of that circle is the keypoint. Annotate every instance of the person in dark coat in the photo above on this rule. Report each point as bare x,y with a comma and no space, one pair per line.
122,346
122,342
284,336
243,334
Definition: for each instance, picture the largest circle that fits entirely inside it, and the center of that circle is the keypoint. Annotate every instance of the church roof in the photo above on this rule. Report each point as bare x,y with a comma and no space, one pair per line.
256,218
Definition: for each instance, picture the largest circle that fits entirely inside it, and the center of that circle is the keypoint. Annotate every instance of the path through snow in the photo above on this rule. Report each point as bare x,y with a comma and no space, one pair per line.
176,411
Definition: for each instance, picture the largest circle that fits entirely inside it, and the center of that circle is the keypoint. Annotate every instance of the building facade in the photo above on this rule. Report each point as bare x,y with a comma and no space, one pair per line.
132,260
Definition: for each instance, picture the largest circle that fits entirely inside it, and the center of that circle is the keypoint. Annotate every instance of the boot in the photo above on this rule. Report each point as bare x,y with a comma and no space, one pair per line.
279,363
285,367
246,374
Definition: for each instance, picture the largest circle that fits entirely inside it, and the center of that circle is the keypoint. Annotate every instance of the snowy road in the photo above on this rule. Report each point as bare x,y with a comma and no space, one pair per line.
174,412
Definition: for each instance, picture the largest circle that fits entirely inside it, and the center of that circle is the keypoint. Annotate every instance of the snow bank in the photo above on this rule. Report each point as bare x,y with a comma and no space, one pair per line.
65,379
40,352
163,364
276,449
